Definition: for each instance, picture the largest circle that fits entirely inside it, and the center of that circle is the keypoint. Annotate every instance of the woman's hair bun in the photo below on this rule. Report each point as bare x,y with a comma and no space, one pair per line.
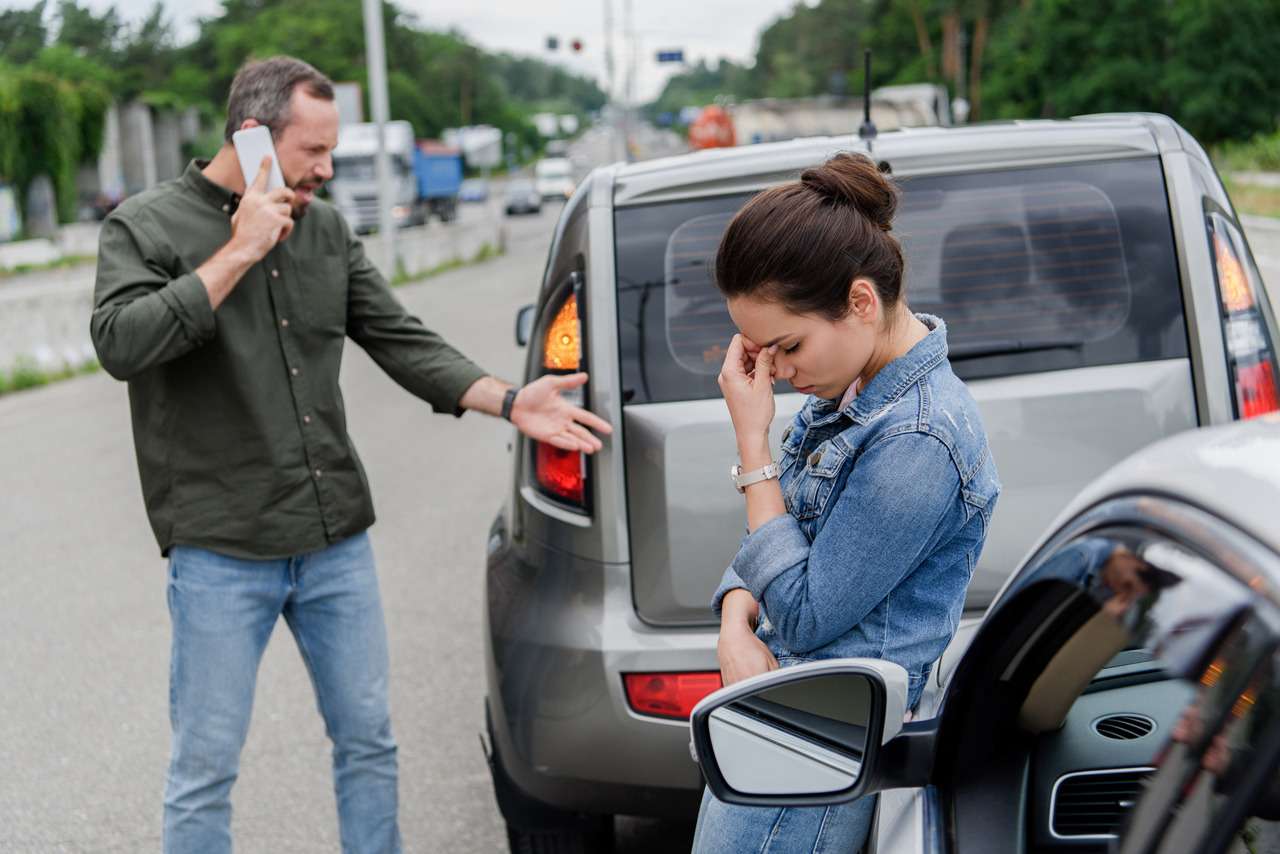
853,179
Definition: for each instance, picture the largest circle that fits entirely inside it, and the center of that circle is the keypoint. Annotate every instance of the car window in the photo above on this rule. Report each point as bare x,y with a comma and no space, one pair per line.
1150,715
1033,269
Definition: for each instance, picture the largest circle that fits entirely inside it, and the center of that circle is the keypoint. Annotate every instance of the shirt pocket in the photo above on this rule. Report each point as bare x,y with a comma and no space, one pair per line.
321,289
810,490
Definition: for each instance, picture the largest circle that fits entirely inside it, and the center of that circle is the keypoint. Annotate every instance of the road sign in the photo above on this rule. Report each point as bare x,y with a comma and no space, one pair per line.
676,55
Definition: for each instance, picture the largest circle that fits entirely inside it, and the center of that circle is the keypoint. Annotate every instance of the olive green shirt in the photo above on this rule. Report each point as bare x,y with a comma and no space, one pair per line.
238,420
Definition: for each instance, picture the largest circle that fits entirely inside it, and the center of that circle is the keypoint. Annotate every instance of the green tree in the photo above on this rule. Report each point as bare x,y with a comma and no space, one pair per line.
1222,78
22,33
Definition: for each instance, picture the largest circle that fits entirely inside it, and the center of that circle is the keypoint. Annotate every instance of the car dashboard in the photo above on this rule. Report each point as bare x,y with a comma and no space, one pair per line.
1086,775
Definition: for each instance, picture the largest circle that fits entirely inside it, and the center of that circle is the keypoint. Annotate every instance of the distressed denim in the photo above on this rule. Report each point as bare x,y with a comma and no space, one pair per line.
223,611
889,501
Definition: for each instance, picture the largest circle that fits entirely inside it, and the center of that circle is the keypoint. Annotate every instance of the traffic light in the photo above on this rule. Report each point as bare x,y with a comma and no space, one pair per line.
576,44
553,43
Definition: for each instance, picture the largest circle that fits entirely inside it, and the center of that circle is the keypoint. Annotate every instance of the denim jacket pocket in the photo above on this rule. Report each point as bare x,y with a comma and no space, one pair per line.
808,492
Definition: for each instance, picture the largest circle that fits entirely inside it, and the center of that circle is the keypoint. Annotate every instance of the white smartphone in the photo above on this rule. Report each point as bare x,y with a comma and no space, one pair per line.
252,144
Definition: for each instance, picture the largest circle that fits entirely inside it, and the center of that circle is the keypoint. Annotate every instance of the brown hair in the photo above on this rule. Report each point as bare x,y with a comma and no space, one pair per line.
803,243
262,90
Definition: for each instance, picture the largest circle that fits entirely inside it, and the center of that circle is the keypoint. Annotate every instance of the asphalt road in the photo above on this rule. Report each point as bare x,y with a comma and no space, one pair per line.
84,668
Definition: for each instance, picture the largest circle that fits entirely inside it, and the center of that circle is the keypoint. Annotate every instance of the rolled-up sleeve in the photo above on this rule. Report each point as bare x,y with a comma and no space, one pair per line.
141,315
886,519
421,361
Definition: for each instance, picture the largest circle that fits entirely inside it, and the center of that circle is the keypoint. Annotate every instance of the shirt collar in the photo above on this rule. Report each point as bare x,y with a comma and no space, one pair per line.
217,195
895,378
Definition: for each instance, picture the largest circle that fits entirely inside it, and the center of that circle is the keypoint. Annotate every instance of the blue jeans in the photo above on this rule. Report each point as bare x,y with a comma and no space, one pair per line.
223,610
731,829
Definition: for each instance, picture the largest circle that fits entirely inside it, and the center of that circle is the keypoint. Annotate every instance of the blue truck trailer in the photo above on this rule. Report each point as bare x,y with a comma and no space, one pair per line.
438,169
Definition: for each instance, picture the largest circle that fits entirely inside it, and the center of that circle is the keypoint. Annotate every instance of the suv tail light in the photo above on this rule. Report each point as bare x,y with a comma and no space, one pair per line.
1251,358
560,474
669,695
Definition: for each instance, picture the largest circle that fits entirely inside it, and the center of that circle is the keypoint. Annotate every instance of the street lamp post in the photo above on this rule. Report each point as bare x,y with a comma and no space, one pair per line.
376,57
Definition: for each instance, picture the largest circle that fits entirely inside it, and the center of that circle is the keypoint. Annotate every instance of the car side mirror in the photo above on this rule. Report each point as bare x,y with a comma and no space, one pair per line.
524,324
808,735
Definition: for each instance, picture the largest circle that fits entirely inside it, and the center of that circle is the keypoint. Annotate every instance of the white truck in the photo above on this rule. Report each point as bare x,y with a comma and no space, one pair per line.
354,188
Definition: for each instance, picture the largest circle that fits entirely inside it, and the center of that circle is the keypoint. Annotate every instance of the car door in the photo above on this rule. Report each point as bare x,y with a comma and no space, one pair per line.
1123,694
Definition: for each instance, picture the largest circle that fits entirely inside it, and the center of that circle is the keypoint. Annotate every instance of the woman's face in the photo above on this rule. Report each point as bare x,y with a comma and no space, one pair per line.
816,355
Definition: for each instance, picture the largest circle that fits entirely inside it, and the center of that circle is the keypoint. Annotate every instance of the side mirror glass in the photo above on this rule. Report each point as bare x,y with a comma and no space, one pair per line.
524,324
804,735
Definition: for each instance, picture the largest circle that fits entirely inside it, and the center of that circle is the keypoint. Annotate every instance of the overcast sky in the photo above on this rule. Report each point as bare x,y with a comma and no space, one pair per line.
703,28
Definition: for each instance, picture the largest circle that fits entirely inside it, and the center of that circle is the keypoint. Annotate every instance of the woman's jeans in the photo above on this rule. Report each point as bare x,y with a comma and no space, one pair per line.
223,610
730,829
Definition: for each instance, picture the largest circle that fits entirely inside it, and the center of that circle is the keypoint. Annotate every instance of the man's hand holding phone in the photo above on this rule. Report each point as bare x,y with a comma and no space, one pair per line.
264,217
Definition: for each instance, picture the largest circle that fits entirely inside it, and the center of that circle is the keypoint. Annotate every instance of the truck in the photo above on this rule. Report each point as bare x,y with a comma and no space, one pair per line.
425,176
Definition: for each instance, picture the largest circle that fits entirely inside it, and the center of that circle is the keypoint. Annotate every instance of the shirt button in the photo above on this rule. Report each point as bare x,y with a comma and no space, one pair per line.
306,419
294,371
275,274
284,321
815,458
226,208
318,473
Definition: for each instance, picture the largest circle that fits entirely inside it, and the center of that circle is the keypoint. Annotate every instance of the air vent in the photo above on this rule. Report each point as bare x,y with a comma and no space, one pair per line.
1093,804
1124,727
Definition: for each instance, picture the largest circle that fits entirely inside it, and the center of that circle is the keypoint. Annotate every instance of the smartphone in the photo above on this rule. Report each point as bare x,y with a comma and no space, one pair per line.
252,144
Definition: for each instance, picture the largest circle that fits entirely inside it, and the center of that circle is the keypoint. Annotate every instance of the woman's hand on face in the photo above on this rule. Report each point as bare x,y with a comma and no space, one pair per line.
746,381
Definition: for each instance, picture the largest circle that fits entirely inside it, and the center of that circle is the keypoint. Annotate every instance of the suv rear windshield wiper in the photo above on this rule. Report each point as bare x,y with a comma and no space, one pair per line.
1007,347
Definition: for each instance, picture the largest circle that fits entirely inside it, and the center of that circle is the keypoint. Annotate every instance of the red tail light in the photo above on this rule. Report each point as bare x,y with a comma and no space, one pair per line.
560,473
669,695
1250,354
563,474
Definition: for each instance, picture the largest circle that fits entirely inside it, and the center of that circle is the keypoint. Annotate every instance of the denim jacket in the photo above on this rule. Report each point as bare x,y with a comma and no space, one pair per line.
889,501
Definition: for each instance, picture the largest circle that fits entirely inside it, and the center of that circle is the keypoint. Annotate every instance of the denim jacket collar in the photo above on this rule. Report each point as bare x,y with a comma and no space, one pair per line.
895,378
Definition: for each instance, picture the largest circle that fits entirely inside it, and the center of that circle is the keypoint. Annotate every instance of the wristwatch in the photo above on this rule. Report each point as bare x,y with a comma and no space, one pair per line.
509,401
741,480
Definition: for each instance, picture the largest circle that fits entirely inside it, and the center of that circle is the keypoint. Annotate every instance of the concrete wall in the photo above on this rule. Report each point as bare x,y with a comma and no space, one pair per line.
137,147
44,316
168,144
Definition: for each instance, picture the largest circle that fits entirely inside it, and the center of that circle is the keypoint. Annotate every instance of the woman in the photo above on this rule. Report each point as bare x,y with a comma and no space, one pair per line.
865,543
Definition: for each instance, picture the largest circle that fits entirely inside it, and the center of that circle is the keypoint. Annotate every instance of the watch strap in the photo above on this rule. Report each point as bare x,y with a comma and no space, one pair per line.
741,480
508,402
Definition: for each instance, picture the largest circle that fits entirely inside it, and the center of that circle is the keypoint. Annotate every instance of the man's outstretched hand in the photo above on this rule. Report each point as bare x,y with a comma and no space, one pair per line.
541,412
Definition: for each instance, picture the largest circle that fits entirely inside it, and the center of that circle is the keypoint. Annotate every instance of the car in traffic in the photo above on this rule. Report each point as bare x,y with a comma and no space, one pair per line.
474,190
1121,694
521,196
554,177
1099,293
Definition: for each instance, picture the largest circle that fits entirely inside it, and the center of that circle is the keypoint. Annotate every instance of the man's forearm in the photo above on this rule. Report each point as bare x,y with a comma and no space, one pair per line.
485,395
223,271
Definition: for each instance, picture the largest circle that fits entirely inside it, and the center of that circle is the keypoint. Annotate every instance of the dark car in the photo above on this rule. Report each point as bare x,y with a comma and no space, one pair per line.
522,197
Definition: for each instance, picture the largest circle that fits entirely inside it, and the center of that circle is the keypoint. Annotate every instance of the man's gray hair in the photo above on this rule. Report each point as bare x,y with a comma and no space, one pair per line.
262,90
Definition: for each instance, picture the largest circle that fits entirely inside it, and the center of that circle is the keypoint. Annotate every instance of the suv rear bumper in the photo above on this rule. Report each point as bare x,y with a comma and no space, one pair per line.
560,632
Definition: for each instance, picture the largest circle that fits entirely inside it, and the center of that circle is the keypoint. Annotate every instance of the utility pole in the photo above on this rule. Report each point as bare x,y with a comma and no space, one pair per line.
629,35
611,77
376,57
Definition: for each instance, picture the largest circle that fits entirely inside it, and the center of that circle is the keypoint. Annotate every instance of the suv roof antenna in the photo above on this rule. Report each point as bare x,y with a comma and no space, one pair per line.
868,130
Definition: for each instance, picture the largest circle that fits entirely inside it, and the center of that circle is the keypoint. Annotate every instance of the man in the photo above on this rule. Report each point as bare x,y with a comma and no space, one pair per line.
226,307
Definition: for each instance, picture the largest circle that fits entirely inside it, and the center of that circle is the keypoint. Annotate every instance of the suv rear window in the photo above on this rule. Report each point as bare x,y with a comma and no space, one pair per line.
1036,269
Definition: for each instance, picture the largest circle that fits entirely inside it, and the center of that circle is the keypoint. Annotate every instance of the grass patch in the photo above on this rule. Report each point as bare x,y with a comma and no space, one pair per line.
486,252
1252,199
64,261
25,374
1259,154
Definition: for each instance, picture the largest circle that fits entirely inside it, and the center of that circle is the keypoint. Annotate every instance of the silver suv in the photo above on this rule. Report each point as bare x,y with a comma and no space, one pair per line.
1099,295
